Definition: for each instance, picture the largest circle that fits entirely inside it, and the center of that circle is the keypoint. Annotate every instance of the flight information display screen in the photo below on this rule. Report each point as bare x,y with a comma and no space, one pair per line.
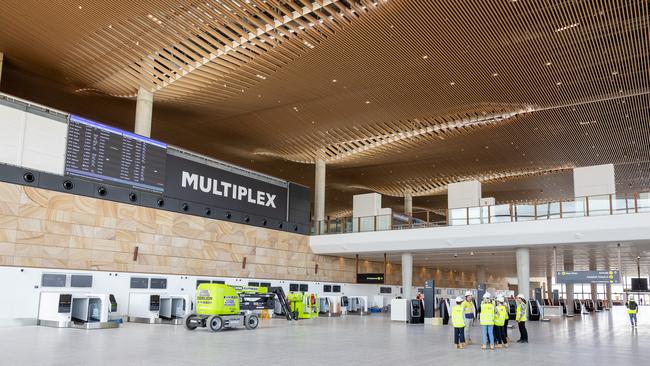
104,153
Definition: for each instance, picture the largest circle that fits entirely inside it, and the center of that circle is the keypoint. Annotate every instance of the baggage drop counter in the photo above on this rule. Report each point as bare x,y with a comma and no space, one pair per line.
158,308
174,309
75,310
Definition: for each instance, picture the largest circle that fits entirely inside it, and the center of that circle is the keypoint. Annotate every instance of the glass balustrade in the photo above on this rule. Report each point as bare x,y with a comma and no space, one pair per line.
601,205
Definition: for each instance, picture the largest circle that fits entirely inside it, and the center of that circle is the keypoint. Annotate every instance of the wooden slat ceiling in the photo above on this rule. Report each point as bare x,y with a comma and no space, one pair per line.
392,94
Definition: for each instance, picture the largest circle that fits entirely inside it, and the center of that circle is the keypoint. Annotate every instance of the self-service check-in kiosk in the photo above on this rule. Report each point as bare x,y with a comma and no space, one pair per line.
156,308
75,310
416,314
329,306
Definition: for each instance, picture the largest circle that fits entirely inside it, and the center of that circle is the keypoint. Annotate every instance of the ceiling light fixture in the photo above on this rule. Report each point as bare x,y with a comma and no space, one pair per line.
367,102
548,63
558,83
333,80
567,27
452,83
495,74
425,57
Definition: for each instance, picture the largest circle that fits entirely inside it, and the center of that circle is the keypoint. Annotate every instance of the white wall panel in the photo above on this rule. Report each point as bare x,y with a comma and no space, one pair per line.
464,194
594,180
44,144
12,127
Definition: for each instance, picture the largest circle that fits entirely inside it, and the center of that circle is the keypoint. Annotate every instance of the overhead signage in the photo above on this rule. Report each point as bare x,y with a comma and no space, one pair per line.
376,278
196,182
106,154
588,277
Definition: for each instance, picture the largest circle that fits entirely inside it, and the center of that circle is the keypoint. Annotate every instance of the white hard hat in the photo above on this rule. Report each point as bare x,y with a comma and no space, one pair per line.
521,296
486,295
459,299
500,299
468,293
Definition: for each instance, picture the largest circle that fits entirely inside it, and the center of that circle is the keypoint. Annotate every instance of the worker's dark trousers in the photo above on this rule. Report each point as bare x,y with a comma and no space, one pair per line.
505,330
500,334
459,335
523,332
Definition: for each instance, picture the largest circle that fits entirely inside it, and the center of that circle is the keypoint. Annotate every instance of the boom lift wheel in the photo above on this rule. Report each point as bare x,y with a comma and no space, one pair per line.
215,323
190,322
251,321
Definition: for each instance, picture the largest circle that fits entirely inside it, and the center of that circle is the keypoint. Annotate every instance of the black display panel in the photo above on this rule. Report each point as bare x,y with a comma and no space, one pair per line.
327,288
219,282
139,282
107,154
385,290
53,280
304,287
294,287
188,180
158,283
255,284
81,281
198,282
377,278
639,284
336,288
265,284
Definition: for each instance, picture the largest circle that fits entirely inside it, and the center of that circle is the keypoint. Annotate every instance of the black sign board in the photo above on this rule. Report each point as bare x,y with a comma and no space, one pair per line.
53,280
81,281
158,283
107,154
377,278
139,282
639,284
192,181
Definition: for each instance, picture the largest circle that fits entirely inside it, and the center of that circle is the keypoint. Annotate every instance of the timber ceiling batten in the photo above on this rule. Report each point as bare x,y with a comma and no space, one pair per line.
205,51
391,138
426,186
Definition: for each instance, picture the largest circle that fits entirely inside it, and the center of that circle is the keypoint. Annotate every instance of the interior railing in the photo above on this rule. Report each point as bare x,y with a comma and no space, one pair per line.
601,205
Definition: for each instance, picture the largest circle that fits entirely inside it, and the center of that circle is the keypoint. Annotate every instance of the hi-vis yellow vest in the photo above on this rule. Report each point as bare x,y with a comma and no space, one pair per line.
457,316
522,313
501,315
487,314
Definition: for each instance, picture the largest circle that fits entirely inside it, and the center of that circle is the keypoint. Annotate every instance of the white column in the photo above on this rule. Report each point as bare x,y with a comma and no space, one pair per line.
143,111
408,202
319,191
407,275
608,288
523,271
549,288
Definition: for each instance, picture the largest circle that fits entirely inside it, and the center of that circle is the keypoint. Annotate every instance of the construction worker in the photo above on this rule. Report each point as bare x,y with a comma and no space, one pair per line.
500,317
487,321
469,314
632,310
458,322
522,316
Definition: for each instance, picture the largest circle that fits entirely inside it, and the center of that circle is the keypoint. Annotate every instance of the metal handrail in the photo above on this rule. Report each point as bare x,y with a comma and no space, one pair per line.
509,212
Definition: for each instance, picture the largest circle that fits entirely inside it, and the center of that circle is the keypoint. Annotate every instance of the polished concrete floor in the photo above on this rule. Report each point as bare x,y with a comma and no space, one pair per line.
603,339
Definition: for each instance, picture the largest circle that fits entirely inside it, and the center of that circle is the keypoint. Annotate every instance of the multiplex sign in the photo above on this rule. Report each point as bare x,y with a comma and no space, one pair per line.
196,182
588,277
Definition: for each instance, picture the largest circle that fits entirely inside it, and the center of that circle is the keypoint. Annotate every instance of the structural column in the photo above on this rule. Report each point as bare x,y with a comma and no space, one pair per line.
594,292
481,276
408,202
1,57
549,288
407,275
319,191
143,112
608,288
523,271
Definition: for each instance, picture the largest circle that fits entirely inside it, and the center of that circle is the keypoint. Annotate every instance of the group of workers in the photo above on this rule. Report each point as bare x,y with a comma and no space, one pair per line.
493,318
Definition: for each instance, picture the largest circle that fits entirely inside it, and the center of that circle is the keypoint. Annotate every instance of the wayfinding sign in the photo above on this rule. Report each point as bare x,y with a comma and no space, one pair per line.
588,277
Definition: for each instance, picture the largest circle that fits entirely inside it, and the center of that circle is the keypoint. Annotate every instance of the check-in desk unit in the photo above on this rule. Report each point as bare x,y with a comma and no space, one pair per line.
75,310
157,308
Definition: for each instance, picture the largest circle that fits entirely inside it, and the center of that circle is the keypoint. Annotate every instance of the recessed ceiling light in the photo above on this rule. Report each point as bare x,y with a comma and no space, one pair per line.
367,102
495,74
558,83
452,83
333,80
614,72
425,57
548,63
79,6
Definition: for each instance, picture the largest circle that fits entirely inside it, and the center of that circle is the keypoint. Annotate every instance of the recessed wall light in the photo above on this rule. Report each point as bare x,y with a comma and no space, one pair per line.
333,80
367,102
